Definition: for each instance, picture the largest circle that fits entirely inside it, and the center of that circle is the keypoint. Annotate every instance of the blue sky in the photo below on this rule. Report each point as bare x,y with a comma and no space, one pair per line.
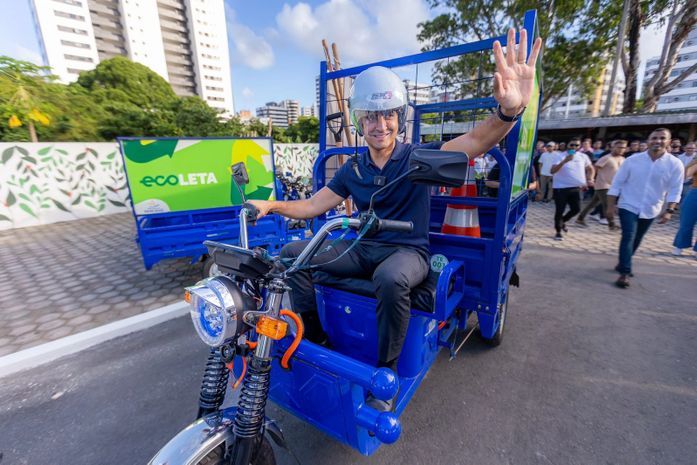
275,47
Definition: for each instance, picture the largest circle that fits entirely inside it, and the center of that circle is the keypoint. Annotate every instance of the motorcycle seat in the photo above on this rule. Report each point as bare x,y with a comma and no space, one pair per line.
423,296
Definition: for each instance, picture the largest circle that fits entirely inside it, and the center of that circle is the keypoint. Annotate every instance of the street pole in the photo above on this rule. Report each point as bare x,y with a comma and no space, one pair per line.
618,53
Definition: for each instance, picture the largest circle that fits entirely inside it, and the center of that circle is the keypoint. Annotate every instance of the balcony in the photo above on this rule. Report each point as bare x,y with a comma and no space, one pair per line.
169,13
171,4
178,60
175,38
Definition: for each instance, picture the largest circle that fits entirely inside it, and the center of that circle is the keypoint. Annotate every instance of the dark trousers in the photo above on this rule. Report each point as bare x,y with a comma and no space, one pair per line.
599,199
570,196
393,269
633,231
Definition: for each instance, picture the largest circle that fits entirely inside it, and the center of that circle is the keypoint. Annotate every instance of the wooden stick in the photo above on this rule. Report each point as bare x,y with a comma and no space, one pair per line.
339,143
346,117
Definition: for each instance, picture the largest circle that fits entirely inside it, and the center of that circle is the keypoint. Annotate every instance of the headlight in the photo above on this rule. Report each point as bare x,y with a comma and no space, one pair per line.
217,306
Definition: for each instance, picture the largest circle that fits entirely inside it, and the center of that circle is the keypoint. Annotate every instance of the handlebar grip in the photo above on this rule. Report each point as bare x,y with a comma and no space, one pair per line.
252,212
395,225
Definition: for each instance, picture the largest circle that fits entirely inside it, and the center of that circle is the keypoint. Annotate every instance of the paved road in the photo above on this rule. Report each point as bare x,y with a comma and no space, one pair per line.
587,374
65,278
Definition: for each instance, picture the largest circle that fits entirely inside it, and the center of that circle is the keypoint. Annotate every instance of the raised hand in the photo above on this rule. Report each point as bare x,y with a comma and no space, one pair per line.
515,76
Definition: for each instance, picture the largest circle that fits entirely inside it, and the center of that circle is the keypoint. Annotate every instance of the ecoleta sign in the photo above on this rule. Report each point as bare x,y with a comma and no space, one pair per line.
170,175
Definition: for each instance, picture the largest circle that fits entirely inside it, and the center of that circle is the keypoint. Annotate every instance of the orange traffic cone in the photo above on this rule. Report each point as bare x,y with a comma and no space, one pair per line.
463,220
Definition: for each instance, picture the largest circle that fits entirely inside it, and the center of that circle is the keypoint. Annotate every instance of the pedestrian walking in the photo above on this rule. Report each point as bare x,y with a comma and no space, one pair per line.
686,158
547,159
598,150
676,147
643,183
606,168
688,212
572,172
633,148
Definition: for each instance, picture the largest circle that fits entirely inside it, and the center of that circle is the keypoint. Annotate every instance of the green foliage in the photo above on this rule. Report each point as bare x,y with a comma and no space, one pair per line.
119,79
306,130
579,37
118,98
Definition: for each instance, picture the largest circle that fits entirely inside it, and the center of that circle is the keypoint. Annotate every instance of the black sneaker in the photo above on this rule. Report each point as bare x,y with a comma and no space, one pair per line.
564,228
623,281
558,237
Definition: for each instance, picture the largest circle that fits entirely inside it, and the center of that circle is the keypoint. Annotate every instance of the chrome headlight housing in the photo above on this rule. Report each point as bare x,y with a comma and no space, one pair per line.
217,306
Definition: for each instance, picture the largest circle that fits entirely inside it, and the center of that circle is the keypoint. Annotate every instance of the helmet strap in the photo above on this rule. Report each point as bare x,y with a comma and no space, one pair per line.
354,161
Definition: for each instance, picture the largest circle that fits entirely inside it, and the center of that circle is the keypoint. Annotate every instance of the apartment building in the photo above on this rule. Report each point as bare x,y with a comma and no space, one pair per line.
577,105
184,41
684,95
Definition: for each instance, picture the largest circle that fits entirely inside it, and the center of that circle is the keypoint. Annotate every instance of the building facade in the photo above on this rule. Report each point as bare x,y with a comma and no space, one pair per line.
576,105
276,112
184,41
684,95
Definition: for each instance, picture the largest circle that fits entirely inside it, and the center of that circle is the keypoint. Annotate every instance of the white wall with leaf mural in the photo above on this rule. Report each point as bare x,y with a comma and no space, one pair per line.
45,183
297,159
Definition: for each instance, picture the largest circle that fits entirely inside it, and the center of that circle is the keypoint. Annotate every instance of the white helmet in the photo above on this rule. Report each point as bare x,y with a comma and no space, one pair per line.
378,89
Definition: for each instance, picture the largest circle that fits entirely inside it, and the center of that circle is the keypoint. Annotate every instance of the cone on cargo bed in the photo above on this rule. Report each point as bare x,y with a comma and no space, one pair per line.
463,220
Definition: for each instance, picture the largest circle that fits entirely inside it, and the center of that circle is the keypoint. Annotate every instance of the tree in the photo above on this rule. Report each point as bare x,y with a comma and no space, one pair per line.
195,118
681,19
119,79
22,88
305,130
579,36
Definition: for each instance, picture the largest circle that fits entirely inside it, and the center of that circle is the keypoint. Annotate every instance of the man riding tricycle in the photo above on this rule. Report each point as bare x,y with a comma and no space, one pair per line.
371,306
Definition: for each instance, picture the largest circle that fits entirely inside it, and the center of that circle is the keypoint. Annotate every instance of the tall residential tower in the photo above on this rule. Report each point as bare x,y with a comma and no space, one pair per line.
184,41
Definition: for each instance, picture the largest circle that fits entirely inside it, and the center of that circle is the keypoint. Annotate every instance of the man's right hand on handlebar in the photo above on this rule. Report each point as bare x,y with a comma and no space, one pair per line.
264,206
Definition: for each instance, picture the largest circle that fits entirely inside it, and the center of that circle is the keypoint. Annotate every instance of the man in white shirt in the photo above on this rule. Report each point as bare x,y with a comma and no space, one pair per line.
642,184
546,161
572,172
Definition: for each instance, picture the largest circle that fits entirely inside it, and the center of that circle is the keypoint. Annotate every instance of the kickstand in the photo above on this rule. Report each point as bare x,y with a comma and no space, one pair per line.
453,349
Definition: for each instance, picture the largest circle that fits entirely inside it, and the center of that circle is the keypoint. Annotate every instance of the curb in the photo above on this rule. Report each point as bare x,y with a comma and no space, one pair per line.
50,351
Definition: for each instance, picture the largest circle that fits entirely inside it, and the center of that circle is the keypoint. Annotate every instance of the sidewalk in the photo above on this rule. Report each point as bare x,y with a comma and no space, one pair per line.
65,278
597,239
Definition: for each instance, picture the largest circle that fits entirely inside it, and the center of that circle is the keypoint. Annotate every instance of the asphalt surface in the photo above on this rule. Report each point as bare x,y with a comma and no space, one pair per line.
587,374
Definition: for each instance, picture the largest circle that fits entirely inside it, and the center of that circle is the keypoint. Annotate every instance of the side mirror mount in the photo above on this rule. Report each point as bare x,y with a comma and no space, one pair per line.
239,174
240,178
438,167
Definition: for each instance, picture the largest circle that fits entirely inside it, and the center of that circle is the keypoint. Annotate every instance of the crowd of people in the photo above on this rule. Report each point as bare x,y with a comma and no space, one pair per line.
637,181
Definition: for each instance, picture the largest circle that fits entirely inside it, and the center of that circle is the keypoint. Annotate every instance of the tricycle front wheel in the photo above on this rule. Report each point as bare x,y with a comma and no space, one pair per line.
265,455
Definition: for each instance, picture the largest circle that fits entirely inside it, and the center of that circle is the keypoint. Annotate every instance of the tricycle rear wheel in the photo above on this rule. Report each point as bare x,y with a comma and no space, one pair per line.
498,335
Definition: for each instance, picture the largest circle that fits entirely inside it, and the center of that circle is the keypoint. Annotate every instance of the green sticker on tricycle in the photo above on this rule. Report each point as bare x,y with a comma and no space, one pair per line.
438,262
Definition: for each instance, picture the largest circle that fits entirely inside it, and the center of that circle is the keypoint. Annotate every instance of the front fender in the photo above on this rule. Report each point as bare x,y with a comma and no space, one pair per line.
198,439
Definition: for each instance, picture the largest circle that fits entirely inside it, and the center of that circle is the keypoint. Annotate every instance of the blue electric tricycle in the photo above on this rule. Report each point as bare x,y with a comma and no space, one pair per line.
253,340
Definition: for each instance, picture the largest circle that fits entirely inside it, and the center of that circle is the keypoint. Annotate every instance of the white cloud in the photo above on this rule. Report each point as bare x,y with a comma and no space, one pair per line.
246,46
247,92
364,31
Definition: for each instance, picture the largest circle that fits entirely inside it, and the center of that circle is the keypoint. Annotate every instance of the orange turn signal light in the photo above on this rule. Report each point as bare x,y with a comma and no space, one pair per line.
187,297
271,327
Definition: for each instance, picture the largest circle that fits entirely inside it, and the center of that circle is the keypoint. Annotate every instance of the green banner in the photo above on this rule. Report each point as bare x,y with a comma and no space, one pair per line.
526,138
169,175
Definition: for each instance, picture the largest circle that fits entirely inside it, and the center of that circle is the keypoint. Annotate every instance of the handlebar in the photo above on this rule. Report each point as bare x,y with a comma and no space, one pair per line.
251,212
395,225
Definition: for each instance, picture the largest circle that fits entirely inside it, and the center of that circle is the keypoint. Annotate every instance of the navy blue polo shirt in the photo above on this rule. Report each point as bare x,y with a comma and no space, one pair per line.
405,201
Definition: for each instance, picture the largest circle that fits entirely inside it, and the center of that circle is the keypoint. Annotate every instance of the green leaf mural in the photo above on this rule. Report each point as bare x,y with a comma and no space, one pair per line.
6,155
